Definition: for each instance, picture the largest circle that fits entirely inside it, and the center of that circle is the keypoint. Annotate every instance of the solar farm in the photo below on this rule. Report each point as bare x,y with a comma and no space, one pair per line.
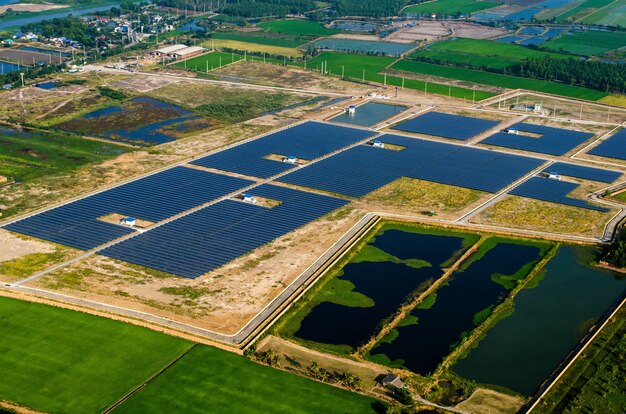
613,147
198,220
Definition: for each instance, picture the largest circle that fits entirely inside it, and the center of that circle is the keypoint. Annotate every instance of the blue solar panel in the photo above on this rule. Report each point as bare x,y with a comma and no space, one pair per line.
553,191
553,141
447,125
364,168
153,198
586,173
213,236
306,141
613,147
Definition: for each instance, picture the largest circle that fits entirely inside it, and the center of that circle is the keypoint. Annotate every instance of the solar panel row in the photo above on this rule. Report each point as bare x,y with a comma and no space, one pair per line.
306,141
211,237
153,198
586,173
447,125
553,191
553,141
613,147
364,168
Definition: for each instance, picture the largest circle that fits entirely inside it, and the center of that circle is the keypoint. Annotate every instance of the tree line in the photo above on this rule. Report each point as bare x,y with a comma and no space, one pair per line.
245,8
370,8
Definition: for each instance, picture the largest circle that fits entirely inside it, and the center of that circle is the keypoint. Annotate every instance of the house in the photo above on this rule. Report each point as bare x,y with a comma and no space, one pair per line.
187,52
393,380
292,159
378,144
128,221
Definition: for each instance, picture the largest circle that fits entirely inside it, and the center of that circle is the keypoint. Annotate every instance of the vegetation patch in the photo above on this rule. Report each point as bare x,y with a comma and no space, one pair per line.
298,27
588,43
371,253
451,7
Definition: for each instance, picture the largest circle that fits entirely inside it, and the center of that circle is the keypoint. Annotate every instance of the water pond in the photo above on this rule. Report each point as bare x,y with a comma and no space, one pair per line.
548,321
141,120
47,85
369,114
384,273
362,46
8,67
437,324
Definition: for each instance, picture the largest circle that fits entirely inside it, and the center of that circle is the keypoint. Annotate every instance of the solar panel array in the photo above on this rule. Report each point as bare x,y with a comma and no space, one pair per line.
364,168
553,191
613,147
306,141
213,236
153,198
586,173
553,141
447,125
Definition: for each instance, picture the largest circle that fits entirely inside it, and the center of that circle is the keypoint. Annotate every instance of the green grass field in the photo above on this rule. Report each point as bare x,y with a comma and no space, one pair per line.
209,380
261,39
61,361
479,53
354,65
211,61
589,43
56,360
450,7
494,79
611,14
28,155
297,27
582,9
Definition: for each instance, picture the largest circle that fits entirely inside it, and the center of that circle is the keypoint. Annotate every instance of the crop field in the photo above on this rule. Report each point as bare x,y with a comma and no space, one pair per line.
611,14
589,43
27,155
450,7
296,27
581,10
65,361
359,67
209,61
249,46
260,39
211,380
495,79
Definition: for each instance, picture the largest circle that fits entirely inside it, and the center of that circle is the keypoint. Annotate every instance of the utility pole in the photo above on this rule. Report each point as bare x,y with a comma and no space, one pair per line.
402,83
22,77
363,75
342,71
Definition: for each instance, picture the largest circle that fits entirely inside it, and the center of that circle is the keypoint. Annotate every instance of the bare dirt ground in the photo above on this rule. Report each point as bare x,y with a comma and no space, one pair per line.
529,214
371,38
569,109
141,84
298,358
285,76
18,409
436,30
488,401
31,7
223,300
14,247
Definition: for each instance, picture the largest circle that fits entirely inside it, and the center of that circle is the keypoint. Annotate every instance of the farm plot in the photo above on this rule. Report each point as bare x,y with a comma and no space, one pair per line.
589,43
350,304
210,380
261,38
611,14
209,61
370,68
140,120
450,7
582,10
468,297
297,27
494,79
71,362
27,155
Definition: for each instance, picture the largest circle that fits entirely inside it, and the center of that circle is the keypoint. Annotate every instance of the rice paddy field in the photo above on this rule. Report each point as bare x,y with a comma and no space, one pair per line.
72,362
610,14
589,43
260,38
579,11
247,45
296,27
27,155
369,68
495,79
450,7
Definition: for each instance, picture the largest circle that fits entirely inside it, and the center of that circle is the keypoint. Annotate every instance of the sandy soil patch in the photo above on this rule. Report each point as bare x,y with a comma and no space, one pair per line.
142,83
427,31
31,7
223,300
14,246
484,400
369,38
